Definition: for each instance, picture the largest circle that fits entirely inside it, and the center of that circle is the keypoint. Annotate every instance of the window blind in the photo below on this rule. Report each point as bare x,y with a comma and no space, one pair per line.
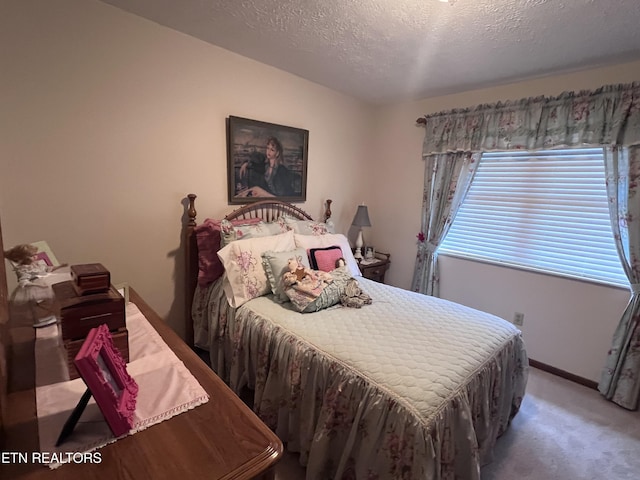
545,211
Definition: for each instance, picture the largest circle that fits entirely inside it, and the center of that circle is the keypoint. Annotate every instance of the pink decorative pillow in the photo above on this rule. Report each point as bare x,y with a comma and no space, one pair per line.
208,239
324,258
328,240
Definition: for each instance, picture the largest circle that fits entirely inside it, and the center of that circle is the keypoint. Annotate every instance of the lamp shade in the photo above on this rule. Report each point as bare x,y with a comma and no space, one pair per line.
362,217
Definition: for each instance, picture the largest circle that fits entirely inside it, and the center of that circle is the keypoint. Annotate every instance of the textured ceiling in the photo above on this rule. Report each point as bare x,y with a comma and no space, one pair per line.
384,51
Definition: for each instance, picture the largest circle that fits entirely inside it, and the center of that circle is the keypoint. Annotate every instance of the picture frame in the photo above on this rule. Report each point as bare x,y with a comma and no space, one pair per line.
265,160
369,252
45,254
104,371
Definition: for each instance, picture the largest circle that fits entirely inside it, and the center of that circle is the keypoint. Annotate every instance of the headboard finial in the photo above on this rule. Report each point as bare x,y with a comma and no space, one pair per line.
191,211
327,212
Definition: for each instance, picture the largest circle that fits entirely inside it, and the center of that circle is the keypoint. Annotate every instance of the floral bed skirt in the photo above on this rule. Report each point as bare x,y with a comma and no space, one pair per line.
347,425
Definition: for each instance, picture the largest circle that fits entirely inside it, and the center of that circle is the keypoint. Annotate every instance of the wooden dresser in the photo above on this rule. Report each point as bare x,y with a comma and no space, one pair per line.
222,439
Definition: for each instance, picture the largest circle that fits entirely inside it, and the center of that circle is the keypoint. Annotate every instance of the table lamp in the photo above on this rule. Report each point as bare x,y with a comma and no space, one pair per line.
360,220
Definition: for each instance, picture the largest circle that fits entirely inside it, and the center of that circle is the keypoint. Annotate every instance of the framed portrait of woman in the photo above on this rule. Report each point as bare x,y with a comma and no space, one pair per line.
265,160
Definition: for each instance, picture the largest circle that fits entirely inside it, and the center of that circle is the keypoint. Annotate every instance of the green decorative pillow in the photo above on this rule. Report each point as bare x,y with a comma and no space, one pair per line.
276,263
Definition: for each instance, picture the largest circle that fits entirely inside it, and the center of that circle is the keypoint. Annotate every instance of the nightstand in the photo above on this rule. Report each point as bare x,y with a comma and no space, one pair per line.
376,270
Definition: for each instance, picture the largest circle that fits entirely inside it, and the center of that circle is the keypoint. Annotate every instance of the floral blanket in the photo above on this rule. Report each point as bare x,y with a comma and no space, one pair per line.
410,387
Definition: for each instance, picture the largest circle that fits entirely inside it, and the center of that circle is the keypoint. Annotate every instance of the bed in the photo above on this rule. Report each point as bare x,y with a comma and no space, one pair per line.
407,387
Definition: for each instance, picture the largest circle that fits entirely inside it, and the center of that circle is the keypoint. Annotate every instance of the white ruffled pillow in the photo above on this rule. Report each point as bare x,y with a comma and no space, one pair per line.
321,241
242,261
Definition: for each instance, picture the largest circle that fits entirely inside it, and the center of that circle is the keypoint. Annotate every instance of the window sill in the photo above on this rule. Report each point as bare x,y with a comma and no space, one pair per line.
538,271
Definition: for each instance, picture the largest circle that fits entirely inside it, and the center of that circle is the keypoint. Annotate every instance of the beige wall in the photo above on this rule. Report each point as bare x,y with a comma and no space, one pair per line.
568,324
107,121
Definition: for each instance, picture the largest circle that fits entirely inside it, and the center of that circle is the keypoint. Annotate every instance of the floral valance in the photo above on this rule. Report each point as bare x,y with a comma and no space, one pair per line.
607,116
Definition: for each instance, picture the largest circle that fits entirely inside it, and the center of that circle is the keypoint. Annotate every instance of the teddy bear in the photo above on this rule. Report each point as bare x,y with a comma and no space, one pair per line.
353,295
305,279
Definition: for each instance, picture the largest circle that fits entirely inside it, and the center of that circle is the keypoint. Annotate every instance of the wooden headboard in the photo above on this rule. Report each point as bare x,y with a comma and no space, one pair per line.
267,210
4,342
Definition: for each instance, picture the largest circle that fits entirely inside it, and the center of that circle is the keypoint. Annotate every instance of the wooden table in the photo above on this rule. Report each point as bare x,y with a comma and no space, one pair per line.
222,439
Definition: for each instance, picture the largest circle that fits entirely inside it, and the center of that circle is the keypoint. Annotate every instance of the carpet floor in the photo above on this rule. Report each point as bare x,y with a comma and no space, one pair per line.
564,431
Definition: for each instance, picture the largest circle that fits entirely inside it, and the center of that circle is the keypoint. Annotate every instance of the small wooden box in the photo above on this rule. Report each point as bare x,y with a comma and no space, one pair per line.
72,347
80,313
90,278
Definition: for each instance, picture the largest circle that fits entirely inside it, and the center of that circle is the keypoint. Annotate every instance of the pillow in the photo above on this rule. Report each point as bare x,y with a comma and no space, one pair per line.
208,241
328,240
308,227
276,263
242,260
329,296
240,231
324,258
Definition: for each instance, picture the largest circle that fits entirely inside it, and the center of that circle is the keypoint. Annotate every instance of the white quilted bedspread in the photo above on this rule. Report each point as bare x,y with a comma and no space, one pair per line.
422,356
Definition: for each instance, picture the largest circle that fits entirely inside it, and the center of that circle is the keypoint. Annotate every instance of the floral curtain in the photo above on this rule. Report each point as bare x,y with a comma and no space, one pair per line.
608,117
447,178
620,381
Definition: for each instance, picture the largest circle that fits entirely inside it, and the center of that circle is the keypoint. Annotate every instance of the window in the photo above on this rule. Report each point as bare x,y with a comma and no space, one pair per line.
545,211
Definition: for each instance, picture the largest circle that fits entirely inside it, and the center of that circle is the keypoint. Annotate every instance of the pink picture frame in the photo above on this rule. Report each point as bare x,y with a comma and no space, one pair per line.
104,371
42,256
45,254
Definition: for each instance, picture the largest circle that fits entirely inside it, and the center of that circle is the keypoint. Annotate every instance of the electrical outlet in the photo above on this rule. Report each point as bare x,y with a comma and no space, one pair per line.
518,319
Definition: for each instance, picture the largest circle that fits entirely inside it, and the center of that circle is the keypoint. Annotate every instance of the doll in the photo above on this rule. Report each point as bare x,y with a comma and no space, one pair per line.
31,291
27,268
